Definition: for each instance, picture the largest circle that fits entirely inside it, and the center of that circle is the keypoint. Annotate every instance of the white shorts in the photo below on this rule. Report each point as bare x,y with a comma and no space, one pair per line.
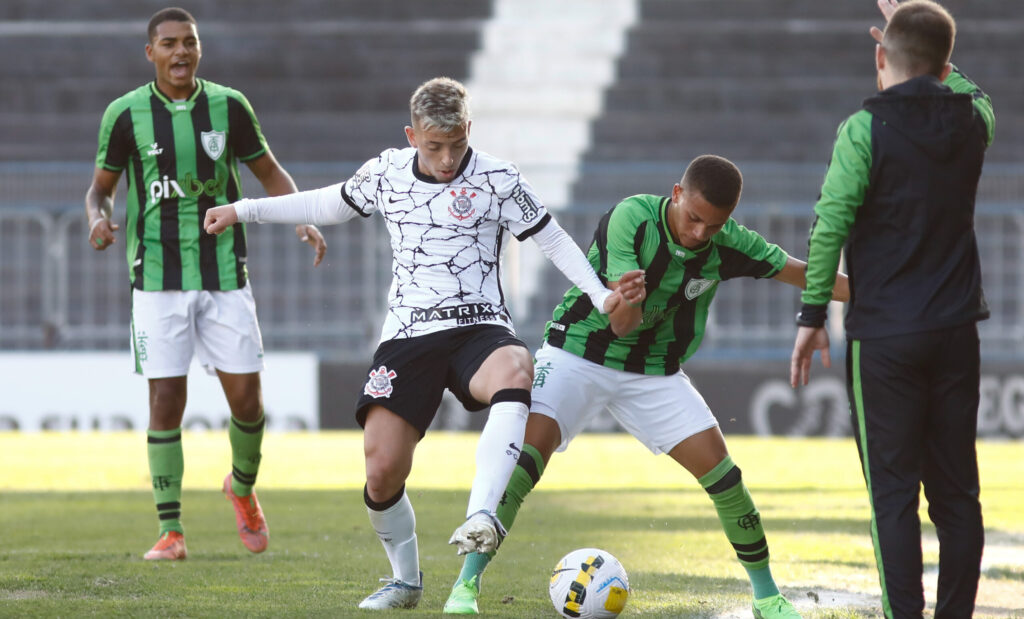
168,326
660,411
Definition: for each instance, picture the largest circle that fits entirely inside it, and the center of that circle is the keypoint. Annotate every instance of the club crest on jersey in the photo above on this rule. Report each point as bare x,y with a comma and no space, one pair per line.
697,287
213,143
462,205
379,385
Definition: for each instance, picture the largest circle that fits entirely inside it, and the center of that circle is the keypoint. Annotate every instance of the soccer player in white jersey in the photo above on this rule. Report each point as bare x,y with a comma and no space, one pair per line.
449,210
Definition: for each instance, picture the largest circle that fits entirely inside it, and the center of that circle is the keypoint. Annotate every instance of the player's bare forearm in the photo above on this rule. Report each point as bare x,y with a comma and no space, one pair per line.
99,207
794,273
628,313
275,180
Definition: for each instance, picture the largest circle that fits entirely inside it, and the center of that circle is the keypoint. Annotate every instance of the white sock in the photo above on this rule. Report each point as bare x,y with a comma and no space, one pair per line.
496,454
396,529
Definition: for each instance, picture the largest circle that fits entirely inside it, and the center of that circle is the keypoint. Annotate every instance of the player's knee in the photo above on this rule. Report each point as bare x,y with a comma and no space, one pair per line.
517,395
382,482
381,502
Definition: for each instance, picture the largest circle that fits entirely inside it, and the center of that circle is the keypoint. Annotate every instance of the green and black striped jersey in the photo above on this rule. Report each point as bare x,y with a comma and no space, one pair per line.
680,286
181,159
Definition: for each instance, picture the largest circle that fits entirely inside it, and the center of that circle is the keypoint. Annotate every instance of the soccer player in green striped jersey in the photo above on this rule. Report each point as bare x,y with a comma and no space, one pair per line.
179,139
628,361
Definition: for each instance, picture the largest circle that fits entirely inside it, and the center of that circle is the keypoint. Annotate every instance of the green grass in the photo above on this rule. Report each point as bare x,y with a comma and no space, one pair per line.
76,516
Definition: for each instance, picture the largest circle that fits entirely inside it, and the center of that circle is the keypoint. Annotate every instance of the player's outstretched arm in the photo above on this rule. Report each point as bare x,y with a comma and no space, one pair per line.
794,273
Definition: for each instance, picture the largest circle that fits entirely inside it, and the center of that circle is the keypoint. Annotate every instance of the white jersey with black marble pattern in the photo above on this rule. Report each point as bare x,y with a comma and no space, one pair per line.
446,238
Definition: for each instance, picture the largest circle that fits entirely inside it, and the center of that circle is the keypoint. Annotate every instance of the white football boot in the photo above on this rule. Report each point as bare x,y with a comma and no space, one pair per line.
482,532
394,594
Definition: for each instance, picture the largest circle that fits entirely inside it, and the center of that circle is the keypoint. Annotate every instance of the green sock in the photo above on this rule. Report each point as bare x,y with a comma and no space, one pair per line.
741,523
246,439
524,477
166,468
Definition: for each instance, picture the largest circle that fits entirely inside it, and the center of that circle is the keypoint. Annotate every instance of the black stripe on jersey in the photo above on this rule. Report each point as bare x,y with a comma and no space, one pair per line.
637,356
534,230
738,264
126,127
653,274
163,133
120,147
205,170
682,324
348,201
598,341
238,120
582,307
501,291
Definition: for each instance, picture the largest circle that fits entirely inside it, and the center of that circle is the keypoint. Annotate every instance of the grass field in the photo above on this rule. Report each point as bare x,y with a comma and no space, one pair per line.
76,515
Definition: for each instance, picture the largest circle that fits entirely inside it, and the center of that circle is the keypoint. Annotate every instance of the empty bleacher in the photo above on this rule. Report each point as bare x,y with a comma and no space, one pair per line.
769,82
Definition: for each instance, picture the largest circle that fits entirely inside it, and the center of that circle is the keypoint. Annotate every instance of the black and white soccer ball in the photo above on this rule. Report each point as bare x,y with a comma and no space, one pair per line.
589,583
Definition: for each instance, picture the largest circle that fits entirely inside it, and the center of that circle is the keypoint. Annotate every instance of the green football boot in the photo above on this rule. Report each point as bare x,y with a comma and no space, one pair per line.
462,600
774,607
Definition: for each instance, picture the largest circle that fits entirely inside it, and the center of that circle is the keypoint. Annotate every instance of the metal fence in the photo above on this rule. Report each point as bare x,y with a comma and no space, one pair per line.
56,293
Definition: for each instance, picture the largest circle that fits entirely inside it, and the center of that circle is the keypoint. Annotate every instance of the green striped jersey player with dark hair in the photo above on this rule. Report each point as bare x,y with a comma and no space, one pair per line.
178,140
628,361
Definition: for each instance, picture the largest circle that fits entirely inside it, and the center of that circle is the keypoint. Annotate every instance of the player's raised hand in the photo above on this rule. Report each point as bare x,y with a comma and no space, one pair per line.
308,233
220,218
808,339
101,233
887,7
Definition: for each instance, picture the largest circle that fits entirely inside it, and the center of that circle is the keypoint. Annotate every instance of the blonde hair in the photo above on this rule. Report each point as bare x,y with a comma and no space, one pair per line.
441,103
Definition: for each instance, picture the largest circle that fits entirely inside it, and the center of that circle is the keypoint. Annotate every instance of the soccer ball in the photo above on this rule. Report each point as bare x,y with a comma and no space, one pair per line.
589,584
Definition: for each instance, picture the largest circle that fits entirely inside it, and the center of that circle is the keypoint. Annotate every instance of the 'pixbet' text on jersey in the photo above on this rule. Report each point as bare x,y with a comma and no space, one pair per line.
189,187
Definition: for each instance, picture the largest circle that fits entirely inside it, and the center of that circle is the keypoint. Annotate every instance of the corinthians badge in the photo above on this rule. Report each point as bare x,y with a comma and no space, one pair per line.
379,385
462,206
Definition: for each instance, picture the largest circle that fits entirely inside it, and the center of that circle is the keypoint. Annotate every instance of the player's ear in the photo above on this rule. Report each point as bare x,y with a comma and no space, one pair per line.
469,123
677,190
879,56
149,52
410,134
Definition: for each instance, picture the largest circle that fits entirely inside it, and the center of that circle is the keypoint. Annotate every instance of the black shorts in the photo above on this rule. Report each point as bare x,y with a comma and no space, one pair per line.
408,376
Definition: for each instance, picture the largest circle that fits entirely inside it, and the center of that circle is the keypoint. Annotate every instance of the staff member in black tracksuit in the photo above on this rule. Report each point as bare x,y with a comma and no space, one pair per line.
899,193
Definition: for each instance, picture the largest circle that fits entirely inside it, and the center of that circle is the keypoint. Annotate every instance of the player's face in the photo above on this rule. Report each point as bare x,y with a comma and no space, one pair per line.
440,152
175,52
692,219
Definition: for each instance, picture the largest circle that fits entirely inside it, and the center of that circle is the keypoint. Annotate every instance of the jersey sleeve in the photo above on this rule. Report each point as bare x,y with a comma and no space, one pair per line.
842,193
116,139
745,253
519,207
361,190
244,134
959,82
624,235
